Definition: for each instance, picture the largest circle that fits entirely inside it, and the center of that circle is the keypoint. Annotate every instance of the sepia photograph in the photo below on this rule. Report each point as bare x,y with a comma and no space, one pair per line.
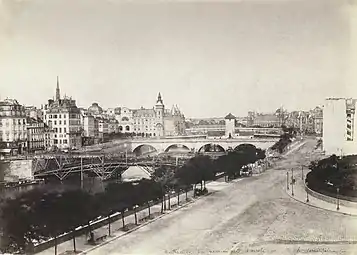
178,127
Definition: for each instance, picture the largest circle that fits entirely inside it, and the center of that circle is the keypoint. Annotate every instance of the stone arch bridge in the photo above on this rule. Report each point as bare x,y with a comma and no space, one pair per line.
195,145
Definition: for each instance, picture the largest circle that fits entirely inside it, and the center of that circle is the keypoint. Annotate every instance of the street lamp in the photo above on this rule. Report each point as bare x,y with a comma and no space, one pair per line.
307,195
338,199
292,174
302,173
292,181
292,188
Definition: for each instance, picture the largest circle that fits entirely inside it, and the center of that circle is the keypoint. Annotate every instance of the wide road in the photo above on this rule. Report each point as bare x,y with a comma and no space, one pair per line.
250,216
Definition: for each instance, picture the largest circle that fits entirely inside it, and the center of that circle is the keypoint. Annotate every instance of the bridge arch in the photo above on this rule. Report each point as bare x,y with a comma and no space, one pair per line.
211,147
245,147
143,149
177,148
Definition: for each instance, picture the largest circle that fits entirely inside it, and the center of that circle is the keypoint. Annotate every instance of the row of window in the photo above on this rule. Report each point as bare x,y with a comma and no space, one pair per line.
59,122
59,130
14,121
60,141
8,113
14,138
127,128
36,130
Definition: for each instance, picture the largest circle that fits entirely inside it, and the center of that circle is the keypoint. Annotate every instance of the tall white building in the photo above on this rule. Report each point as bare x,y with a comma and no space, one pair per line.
340,126
13,130
64,117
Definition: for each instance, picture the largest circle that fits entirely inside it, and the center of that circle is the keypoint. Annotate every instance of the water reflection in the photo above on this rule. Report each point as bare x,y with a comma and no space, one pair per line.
91,184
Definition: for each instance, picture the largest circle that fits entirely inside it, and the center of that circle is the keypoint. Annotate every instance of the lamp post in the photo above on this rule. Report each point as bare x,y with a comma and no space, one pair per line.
287,180
292,188
292,181
302,173
292,174
338,199
307,195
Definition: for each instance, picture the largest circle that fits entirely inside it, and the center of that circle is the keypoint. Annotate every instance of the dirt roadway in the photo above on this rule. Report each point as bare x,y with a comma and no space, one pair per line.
250,216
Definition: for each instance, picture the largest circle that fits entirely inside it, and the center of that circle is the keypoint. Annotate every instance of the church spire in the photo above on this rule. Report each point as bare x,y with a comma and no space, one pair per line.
159,99
58,95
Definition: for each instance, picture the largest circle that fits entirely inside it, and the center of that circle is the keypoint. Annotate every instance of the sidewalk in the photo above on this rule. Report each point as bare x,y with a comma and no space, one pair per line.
301,195
143,219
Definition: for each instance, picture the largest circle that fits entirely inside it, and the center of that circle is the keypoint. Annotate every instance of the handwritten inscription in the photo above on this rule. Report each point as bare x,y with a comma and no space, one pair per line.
317,249
251,250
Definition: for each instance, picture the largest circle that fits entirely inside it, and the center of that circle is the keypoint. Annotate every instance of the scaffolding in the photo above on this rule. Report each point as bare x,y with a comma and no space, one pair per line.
104,166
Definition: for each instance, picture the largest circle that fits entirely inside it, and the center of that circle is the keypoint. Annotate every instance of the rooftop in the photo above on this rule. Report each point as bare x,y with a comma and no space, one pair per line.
230,116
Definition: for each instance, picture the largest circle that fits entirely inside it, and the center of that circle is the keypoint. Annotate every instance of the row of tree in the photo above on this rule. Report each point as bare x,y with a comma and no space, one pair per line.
285,139
38,215
330,173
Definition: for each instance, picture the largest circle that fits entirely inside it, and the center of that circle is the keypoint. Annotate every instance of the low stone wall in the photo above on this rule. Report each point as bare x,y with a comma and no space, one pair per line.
330,199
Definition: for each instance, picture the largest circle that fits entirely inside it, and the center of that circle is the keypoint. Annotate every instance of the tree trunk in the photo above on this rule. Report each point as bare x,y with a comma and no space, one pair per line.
165,207
204,184
136,217
186,194
201,186
109,230
178,197
194,190
122,218
149,209
162,204
55,244
169,201
74,240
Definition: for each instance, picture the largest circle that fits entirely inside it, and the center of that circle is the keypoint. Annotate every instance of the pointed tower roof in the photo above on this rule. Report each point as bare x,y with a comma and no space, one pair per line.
159,99
58,95
230,116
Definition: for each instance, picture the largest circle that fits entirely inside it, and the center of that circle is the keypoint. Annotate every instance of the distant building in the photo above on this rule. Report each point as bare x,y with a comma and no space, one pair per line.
49,135
340,126
103,129
317,115
113,126
88,126
13,132
33,112
35,134
152,122
63,116
266,120
310,122
230,121
95,110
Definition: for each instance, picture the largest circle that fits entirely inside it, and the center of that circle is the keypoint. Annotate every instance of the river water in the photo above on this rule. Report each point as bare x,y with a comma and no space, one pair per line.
90,184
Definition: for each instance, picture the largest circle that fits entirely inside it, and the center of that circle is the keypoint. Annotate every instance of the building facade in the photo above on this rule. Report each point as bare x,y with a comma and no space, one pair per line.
35,135
339,126
151,122
266,120
13,130
309,122
63,116
103,129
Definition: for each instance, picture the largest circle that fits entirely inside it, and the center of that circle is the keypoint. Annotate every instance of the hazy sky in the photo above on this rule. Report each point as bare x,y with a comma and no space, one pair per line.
209,58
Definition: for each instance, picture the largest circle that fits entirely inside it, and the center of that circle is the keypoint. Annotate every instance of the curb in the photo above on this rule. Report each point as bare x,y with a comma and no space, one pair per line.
318,207
144,224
